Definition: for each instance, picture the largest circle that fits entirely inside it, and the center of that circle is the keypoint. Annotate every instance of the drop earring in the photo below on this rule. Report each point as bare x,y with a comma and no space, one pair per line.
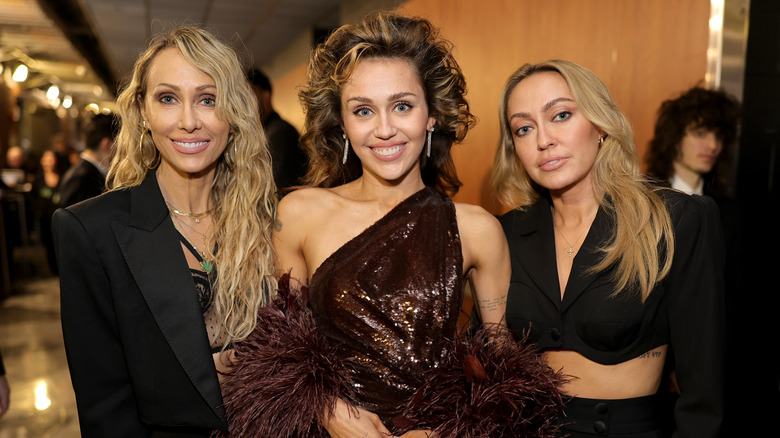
430,133
346,149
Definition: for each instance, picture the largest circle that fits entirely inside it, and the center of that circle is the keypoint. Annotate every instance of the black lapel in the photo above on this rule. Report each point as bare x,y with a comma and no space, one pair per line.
530,242
153,253
588,256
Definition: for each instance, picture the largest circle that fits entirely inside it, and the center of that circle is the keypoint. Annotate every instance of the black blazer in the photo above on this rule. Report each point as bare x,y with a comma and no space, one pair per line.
135,338
685,310
81,182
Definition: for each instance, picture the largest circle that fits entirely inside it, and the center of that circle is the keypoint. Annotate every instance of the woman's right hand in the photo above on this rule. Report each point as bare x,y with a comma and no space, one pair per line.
352,422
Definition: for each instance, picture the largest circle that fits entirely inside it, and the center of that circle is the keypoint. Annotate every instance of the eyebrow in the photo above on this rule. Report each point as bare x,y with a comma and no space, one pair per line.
176,87
392,97
546,107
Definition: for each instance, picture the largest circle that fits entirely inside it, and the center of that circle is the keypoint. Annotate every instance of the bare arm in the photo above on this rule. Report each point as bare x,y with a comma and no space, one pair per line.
289,235
486,256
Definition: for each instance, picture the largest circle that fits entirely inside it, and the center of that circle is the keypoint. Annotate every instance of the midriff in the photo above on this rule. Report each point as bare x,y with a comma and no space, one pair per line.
637,377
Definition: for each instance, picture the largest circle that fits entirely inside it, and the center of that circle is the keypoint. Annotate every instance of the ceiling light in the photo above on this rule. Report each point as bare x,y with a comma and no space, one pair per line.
20,74
67,101
53,92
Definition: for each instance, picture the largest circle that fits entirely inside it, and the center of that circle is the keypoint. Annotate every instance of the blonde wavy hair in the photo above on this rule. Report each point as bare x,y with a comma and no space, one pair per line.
391,36
243,190
642,245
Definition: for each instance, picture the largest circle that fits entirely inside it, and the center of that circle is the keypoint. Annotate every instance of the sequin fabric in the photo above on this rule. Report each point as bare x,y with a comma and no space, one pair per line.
391,297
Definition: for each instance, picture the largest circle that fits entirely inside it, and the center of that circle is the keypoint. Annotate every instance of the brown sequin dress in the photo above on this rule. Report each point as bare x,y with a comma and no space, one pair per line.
390,298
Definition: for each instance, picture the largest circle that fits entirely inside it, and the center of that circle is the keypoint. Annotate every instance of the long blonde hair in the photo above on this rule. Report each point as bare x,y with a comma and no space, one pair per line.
243,190
641,247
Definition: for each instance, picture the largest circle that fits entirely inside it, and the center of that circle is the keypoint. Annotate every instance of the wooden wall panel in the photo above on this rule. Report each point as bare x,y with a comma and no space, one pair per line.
285,95
645,52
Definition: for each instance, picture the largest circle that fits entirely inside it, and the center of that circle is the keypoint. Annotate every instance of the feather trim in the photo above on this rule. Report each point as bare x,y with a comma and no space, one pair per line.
284,376
489,386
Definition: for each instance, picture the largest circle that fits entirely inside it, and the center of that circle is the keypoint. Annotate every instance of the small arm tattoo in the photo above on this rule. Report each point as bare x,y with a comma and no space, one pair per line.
277,225
492,305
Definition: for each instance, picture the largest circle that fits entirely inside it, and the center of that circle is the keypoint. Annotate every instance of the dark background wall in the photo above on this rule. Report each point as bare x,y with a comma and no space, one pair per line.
754,305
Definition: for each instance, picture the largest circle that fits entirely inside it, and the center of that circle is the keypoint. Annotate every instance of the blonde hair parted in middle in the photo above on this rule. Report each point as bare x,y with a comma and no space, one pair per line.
641,247
243,190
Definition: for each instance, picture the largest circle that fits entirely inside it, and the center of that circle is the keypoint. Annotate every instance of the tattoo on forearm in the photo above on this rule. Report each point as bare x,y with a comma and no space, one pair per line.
651,355
492,305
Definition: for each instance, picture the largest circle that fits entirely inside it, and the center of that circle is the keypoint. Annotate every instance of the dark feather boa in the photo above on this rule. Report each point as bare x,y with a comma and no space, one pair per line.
284,376
488,386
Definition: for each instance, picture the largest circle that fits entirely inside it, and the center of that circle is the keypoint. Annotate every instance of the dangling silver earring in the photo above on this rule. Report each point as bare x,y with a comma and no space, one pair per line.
346,149
430,133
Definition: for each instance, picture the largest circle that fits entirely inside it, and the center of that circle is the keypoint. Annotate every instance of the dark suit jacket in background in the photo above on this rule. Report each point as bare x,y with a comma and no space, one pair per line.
135,338
81,182
288,159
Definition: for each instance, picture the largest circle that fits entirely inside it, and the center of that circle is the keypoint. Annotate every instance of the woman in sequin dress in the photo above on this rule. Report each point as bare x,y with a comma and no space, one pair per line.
384,251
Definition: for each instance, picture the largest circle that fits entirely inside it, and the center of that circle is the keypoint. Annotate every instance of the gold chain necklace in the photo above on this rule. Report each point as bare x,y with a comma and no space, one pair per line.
207,263
195,216
570,251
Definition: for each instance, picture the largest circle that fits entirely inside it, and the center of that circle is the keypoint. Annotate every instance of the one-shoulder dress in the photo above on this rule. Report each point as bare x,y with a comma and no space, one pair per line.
382,313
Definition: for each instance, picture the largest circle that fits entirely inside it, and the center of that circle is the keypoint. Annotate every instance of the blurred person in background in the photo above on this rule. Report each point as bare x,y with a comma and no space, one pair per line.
87,178
289,160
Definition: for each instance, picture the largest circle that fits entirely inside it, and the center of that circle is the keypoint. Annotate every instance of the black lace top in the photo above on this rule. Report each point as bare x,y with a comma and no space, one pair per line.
206,296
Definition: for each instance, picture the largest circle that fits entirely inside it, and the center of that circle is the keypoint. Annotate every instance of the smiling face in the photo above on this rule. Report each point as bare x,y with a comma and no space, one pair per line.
179,108
554,141
385,117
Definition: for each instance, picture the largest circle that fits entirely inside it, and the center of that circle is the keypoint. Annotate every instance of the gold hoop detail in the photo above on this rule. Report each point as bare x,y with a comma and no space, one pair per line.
155,162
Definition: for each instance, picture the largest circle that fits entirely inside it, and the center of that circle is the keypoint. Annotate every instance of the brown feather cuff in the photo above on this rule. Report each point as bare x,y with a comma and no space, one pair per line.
489,386
284,376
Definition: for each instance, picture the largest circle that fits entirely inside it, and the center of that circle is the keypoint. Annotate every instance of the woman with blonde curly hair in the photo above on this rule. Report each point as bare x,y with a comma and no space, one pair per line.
385,254
611,276
161,274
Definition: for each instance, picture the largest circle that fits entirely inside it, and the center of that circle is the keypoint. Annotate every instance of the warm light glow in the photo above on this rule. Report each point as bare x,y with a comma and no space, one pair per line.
67,101
20,74
93,107
716,22
53,92
42,401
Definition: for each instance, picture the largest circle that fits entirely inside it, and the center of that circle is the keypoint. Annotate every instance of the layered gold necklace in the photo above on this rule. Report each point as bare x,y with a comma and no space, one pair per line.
207,261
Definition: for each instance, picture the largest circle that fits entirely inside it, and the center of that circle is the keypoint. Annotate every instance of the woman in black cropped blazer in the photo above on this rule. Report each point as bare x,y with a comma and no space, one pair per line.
162,273
611,276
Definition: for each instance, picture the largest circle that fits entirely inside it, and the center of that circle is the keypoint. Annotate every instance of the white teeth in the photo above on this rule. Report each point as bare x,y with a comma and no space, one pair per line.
190,145
387,151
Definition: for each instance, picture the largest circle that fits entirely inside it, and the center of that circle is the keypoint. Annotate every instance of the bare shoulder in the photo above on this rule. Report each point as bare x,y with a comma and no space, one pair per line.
303,205
473,219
